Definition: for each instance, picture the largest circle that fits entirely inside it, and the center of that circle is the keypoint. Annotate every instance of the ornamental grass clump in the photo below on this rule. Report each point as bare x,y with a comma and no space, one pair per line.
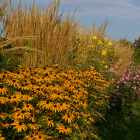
126,89
49,103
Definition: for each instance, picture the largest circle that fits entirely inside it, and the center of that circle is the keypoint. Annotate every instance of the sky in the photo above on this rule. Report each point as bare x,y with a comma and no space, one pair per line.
123,15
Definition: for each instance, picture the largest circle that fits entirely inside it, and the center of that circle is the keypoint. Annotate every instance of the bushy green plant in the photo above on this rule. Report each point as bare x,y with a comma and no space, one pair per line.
7,60
96,57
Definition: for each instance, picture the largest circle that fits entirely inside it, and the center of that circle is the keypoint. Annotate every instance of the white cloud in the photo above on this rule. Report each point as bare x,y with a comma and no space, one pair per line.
124,9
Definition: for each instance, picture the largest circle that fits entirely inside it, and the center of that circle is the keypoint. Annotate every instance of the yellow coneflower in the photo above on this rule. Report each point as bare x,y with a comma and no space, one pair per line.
24,86
39,130
91,119
45,104
55,66
6,74
27,107
49,137
23,96
3,90
87,121
1,138
63,129
95,136
84,105
63,106
91,67
20,114
94,96
38,90
3,100
4,124
76,126
55,108
58,137
75,100
33,125
83,134
15,98
85,114
106,96
78,116
30,137
40,137
2,115
13,82
56,95
68,118
71,88
31,117
98,103
10,98
20,126
76,113
49,121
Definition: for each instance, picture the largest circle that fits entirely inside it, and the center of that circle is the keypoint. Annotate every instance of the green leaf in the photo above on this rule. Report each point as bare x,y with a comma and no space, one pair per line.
23,64
10,59
26,42
1,13
31,52
29,45
20,55
14,50
1,58
8,47
2,39
2,69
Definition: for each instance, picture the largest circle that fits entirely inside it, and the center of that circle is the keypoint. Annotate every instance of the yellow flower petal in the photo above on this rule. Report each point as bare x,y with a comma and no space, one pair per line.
94,37
109,43
99,42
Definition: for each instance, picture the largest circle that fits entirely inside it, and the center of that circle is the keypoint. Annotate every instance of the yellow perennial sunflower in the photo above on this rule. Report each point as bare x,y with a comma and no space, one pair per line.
106,66
109,43
105,39
103,52
99,42
94,37
92,45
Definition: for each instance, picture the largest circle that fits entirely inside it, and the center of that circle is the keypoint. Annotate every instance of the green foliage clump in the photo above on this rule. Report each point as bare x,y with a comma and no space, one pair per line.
7,59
